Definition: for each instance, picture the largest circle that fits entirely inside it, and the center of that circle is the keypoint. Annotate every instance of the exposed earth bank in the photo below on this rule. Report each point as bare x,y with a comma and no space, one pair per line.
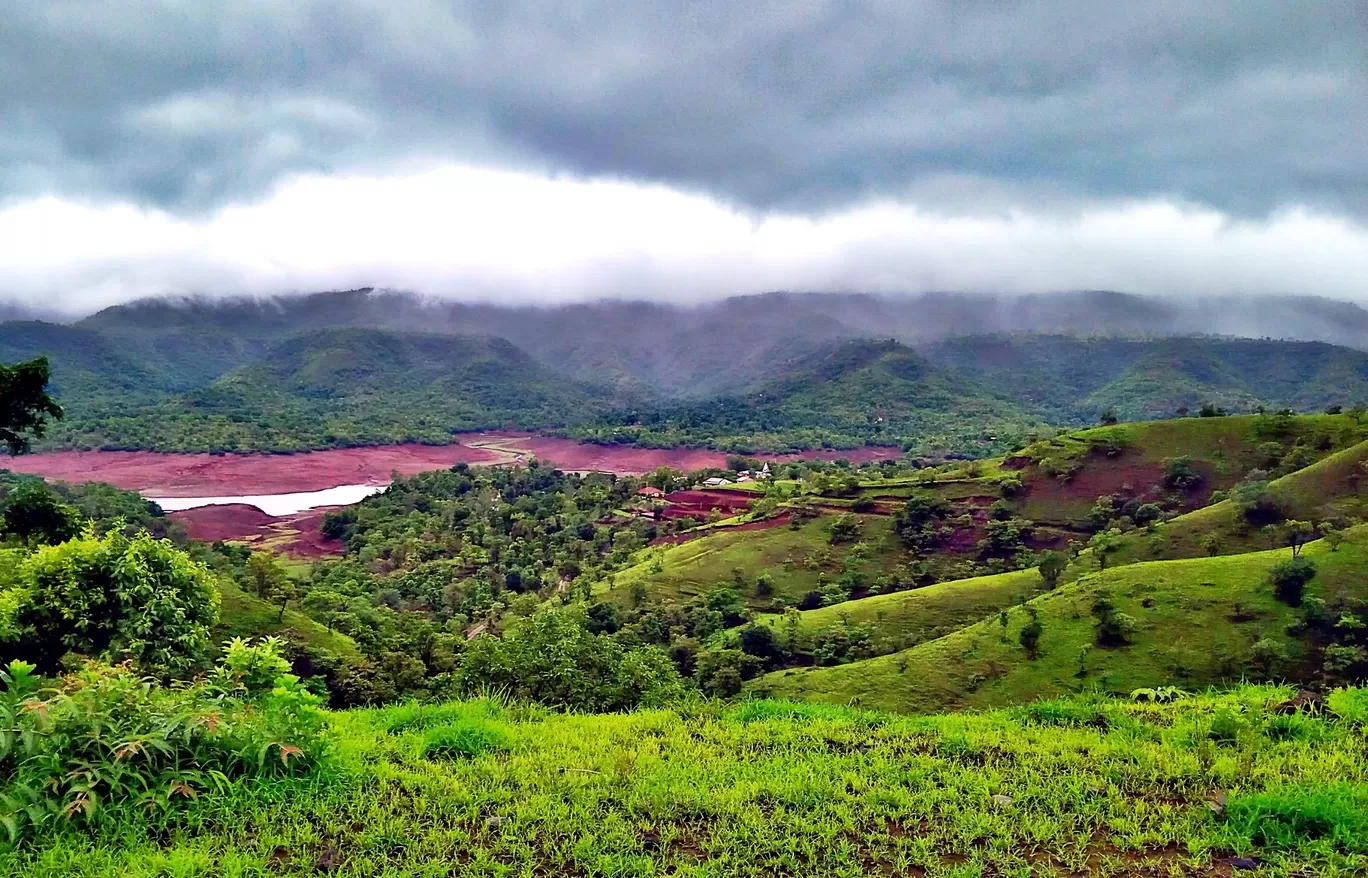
231,475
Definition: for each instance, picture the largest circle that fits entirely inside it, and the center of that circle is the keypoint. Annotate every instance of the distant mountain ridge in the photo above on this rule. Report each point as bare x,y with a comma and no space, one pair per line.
780,370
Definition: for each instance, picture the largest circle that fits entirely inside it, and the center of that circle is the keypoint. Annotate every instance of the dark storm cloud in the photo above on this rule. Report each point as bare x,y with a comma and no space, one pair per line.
1243,106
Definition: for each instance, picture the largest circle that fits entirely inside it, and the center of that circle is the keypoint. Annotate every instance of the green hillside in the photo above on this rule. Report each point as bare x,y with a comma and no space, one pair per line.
843,395
336,387
1197,623
1067,379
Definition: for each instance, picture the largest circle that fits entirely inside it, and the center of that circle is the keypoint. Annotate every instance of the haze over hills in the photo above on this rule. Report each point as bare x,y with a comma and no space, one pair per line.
775,371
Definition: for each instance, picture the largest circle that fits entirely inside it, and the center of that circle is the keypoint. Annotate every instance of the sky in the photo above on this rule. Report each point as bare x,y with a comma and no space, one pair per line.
683,151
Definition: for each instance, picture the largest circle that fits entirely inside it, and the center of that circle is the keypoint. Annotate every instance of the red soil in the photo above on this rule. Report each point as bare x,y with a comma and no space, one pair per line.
231,522
231,475
763,524
296,535
228,475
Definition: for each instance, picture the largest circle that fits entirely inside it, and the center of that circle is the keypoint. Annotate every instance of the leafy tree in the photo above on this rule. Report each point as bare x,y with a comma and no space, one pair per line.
1289,579
24,403
1333,536
764,585
759,641
1052,566
118,597
1297,533
551,658
1113,628
36,514
845,528
1107,418
1029,638
1180,475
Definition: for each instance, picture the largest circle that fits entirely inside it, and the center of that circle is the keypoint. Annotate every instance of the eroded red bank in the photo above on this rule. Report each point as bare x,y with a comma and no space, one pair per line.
235,475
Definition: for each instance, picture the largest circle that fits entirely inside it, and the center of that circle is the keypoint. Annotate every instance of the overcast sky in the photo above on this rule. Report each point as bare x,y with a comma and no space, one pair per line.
511,150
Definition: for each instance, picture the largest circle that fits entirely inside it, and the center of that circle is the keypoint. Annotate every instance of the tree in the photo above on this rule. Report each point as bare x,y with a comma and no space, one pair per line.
116,597
36,514
24,403
1297,534
764,585
1103,544
1179,473
1333,536
1107,418
1030,634
1289,579
1052,566
265,571
845,529
1113,628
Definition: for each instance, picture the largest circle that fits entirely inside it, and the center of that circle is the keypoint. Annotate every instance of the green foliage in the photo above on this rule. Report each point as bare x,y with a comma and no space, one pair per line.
468,738
25,406
35,513
1335,814
117,597
1349,704
1113,627
1289,579
107,740
551,658
1081,786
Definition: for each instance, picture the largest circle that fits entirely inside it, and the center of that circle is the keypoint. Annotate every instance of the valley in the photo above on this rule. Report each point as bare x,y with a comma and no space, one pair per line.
957,557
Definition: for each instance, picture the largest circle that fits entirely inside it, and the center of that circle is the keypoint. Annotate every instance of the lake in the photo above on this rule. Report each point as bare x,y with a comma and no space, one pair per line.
276,504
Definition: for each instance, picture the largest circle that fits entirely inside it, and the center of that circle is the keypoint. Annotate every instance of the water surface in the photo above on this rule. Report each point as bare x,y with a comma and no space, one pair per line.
277,504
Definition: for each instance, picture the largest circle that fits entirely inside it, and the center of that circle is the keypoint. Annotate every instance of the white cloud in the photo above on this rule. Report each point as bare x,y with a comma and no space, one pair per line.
473,233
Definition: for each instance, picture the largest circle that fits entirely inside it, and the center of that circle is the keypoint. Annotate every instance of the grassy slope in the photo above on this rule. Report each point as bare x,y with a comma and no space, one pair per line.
906,618
1186,637
1223,450
1332,488
242,615
691,568
768,788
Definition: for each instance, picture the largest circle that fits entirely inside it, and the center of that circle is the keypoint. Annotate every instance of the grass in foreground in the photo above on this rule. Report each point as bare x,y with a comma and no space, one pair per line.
1094,787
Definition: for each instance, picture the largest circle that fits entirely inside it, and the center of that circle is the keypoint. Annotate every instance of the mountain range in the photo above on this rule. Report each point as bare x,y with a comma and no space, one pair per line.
935,372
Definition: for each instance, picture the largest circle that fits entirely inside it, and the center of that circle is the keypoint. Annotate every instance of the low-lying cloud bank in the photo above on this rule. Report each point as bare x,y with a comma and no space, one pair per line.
479,234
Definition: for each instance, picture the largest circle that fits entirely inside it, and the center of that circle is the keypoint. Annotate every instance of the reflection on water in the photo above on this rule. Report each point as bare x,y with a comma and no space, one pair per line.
277,504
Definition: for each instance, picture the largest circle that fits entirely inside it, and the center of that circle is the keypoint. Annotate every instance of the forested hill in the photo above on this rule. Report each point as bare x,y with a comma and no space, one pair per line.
776,371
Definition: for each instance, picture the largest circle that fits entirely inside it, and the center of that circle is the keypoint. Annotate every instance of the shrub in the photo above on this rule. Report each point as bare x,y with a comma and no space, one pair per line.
1226,726
1179,474
1289,579
117,597
1052,566
471,737
551,658
1350,705
1029,638
1113,628
106,739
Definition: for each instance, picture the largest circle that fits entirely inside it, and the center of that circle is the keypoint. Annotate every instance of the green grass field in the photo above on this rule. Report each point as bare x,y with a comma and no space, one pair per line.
1092,787
1198,620
798,561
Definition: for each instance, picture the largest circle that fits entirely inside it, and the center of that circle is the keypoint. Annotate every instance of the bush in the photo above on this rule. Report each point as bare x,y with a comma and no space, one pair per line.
1350,705
117,597
551,658
1113,628
107,739
1289,579
1029,638
466,739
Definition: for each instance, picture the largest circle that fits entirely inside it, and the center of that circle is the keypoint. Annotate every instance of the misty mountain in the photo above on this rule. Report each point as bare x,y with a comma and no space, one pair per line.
780,369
